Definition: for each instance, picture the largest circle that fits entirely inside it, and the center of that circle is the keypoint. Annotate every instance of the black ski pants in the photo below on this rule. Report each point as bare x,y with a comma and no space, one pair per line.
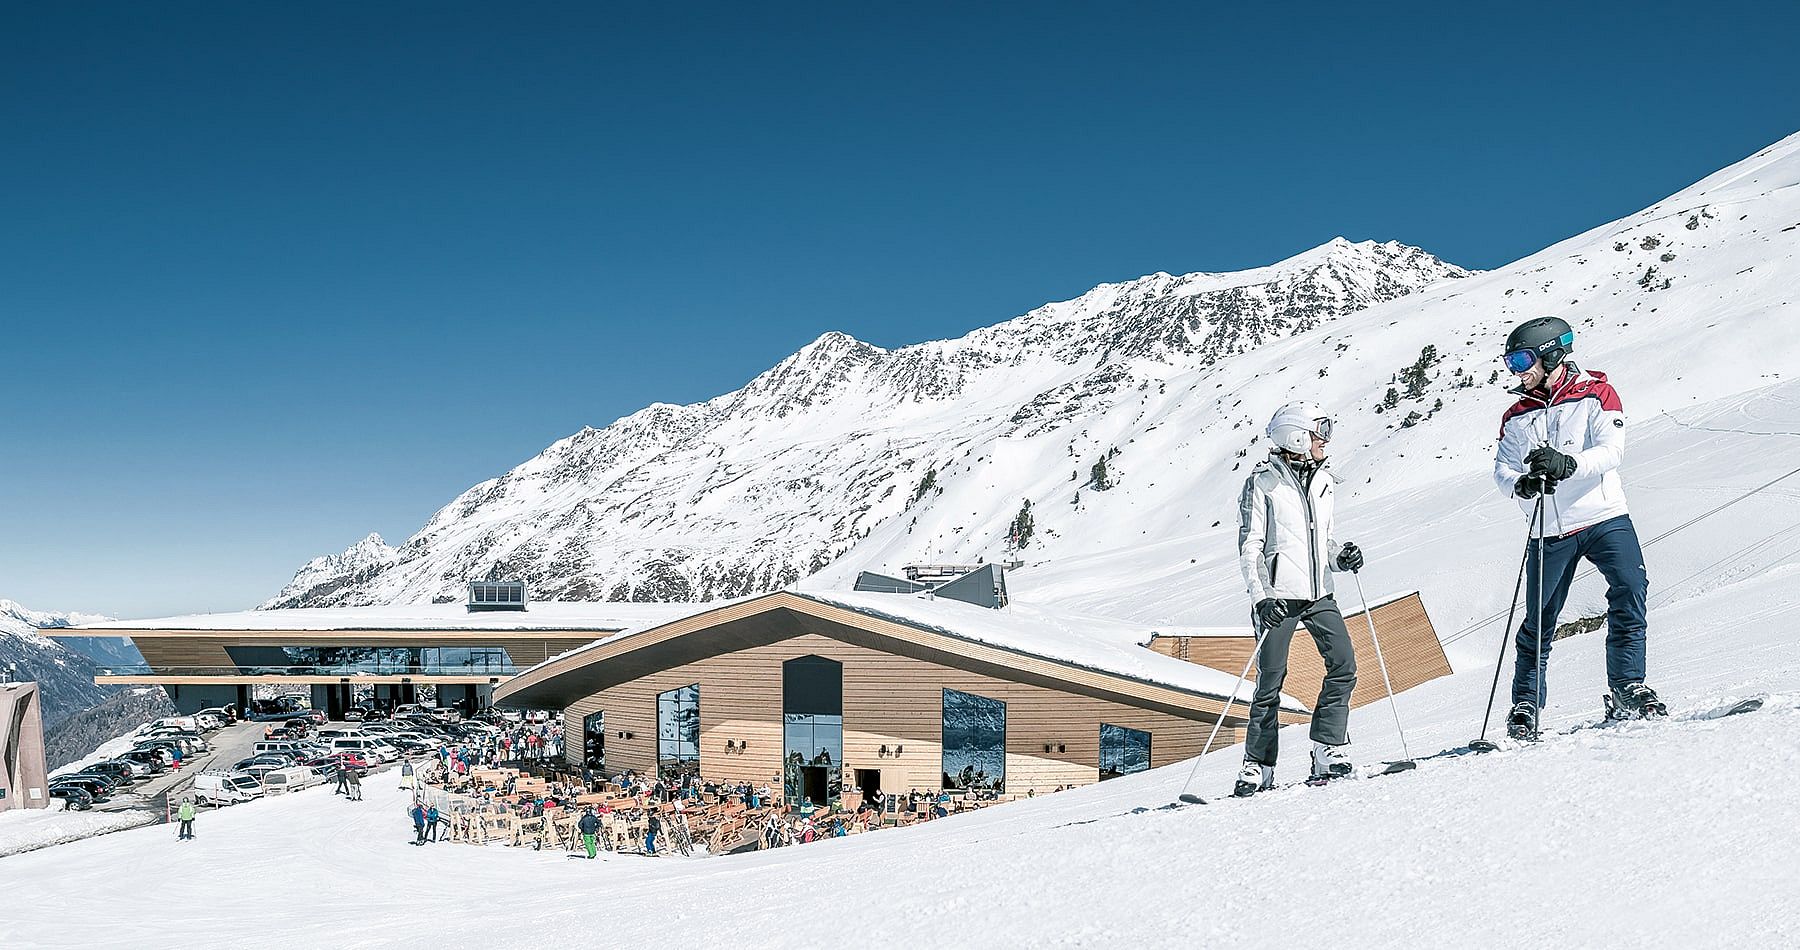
1331,712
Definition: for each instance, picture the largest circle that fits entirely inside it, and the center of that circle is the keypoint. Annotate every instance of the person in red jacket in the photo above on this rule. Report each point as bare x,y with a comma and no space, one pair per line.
1561,445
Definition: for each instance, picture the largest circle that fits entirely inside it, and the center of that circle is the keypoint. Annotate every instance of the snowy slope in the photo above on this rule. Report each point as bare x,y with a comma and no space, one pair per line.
752,490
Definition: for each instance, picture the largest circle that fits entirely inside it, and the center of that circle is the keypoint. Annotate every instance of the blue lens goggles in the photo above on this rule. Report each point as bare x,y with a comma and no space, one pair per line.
1518,361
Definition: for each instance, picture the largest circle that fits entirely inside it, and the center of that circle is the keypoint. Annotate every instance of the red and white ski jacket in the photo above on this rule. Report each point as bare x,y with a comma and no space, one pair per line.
1583,419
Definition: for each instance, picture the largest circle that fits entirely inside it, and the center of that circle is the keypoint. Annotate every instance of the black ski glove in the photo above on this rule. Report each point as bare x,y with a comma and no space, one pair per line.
1350,557
1270,613
1529,486
1550,463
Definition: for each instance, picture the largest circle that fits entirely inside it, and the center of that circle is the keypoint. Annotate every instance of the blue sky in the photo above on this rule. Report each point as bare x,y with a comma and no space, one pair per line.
273,276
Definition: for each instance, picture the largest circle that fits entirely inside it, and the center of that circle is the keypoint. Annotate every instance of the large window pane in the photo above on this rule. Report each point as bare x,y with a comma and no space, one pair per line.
974,742
812,690
1122,751
593,753
678,732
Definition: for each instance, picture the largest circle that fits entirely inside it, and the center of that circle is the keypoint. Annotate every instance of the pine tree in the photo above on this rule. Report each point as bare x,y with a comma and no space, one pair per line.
1022,527
925,484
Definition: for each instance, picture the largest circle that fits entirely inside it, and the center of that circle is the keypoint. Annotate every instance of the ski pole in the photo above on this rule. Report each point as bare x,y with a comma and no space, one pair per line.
1370,617
1481,743
1254,650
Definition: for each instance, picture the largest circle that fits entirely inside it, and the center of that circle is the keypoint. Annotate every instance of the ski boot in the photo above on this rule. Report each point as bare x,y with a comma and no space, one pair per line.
1634,701
1522,722
1254,777
1330,761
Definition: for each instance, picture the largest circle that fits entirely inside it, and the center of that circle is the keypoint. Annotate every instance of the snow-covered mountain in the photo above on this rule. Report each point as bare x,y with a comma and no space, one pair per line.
757,488
1125,417
65,677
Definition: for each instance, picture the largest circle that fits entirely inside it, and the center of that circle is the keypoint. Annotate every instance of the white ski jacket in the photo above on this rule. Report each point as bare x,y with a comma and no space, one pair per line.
1583,419
1286,535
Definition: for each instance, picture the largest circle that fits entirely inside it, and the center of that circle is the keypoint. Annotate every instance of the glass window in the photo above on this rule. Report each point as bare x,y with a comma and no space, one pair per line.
678,732
812,698
593,752
1122,751
974,742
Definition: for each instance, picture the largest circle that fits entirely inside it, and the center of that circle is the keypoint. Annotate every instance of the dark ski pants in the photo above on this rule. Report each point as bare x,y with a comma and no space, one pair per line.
187,829
1331,713
1611,546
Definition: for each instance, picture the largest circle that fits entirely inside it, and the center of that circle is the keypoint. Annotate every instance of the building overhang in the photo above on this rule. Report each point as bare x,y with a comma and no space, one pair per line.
772,618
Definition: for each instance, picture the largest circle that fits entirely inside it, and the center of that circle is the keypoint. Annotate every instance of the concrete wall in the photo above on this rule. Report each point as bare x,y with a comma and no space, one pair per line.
24,780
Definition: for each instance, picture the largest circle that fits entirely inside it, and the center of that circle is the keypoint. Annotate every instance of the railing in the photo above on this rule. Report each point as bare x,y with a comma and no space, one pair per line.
342,672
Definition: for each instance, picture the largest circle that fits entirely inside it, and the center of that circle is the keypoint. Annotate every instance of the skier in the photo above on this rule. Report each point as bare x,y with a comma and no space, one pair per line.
185,814
417,813
590,830
1287,547
1560,446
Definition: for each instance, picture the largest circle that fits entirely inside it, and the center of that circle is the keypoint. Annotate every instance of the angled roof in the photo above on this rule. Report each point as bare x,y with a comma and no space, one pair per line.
597,618
1093,656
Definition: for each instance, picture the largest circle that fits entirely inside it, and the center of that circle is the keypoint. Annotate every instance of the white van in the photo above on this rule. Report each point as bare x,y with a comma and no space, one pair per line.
184,723
367,748
291,779
277,745
224,789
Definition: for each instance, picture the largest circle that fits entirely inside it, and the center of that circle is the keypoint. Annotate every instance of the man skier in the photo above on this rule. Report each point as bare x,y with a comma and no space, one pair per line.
590,830
185,815
1560,449
1288,549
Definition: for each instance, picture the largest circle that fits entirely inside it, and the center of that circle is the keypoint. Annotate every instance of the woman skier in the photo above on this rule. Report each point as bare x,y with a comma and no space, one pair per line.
1287,548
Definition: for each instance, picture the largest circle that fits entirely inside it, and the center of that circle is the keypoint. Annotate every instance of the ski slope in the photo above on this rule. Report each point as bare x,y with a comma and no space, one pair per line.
1670,834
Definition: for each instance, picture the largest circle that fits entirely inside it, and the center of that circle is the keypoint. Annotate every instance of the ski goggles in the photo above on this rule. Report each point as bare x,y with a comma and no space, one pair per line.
1322,429
1518,361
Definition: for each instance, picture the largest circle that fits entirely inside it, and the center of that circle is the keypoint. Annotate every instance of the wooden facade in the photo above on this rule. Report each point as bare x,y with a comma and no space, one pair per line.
889,700
1408,642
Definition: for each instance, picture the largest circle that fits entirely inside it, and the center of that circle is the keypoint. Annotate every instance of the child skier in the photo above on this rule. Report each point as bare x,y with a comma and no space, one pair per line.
1560,448
1287,548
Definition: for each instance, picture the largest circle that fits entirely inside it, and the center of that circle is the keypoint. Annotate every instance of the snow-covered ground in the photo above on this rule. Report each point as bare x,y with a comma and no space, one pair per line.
28,829
1670,834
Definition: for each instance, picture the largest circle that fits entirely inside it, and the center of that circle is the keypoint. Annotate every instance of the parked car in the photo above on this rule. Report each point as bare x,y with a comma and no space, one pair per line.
126,771
108,782
225,788
149,759
139,770
330,762
258,764
73,797
217,712
94,787
354,714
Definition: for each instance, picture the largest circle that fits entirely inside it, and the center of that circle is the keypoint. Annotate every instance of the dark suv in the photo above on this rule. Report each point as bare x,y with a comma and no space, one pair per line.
75,798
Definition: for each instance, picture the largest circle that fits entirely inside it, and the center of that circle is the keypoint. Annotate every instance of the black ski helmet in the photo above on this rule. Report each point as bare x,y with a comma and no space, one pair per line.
1551,338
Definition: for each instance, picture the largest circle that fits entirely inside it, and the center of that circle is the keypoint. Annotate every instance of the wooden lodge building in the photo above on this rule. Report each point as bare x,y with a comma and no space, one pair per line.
819,691
893,687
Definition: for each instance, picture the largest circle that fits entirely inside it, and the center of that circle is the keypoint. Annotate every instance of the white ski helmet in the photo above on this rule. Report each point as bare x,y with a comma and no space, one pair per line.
1296,423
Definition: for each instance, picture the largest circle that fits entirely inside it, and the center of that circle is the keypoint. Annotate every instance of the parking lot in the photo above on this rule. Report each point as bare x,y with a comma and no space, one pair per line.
229,744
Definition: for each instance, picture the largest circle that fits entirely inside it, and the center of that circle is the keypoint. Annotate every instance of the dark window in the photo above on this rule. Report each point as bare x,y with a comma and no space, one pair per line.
593,752
974,742
678,732
812,699
352,661
1122,751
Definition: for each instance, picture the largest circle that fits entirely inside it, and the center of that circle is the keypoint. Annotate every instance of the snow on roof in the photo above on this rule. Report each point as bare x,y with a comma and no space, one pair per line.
543,615
1096,643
